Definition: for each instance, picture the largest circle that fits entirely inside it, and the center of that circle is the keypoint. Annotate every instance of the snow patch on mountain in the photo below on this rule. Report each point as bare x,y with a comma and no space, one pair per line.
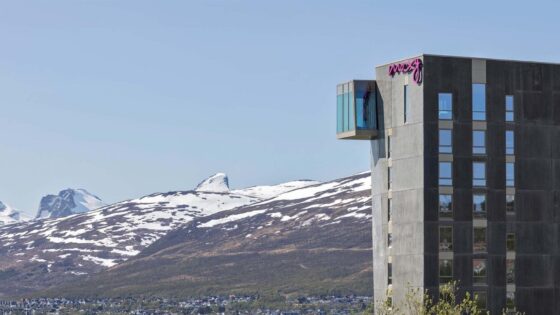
267,192
68,202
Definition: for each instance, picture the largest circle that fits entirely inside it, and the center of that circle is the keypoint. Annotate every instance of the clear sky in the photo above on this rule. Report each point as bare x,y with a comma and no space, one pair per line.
126,98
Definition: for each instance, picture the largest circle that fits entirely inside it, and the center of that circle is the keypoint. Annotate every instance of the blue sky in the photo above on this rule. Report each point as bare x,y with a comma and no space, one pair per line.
126,98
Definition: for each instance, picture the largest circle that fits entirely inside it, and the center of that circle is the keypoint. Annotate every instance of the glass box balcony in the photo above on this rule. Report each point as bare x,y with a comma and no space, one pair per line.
356,110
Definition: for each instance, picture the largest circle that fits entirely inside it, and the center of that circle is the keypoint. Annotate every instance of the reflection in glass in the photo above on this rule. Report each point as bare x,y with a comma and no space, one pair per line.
445,206
510,204
510,300
510,242
479,101
479,205
510,271
481,299
445,105
479,271
479,240
445,270
445,239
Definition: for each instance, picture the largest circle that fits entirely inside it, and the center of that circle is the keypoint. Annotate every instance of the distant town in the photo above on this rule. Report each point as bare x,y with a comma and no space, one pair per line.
332,305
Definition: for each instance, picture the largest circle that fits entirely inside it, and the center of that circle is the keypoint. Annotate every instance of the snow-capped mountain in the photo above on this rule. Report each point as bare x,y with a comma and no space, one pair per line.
311,240
68,202
9,215
50,251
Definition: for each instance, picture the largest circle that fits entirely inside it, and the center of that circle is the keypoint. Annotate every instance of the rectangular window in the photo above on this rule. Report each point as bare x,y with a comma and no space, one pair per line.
478,101
510,204
445,206
389,240
479,142
479,205
389,208
389,178
445,270
509,108
445,177
406,104
510,142
445,239
388,146
510,174
479,240
479,271
445,141
445,105
481,298
389,273
510,271
510,301
479,174
510,242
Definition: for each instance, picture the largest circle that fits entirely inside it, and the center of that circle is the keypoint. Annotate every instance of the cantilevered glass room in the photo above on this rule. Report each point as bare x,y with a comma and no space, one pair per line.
356,112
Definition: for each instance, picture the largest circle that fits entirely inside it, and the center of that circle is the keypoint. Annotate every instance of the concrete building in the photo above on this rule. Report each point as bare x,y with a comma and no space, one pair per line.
465,177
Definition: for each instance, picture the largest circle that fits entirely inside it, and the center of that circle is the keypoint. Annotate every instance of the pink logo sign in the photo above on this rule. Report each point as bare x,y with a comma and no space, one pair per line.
414,66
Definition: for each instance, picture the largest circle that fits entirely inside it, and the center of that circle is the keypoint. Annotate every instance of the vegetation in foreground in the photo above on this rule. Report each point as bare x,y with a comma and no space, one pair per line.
421,303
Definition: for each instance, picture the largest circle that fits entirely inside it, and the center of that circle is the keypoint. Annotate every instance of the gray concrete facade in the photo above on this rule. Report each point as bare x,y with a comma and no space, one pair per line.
414,190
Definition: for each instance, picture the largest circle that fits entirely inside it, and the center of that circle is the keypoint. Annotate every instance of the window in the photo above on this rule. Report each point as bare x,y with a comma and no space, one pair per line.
445,206
479,174
445,141
479,142
510,204
510,271
445,270
510,300
481,299
389,208
509,108
445,238
388,146
445,178
510,142
389,240
510,242
479,205
510,174
445,106
389,273
479,271
478,101
389,179
406,104
479,240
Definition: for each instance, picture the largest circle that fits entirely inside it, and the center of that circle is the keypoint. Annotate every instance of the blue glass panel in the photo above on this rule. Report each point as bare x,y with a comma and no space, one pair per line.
510,142
445,106
445,170
361,118
352,112
479,142
339,113
479,101
479,205
346,112
479,174
509,108
510,174
445,141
